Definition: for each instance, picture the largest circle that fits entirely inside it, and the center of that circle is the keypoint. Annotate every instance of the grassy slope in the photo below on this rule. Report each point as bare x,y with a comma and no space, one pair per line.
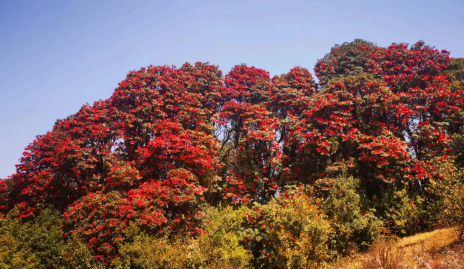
439,249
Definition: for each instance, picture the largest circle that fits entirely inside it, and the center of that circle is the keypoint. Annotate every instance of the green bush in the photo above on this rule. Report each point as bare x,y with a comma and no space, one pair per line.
437,203
37,243
15,254
289,232
217,247
446,195
355,225
406,213
152,252
221,242
77,255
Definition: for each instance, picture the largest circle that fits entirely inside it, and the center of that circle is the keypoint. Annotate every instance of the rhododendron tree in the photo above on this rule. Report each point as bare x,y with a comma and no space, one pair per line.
349,59
248,127
290,96
352,121
416,75
101,219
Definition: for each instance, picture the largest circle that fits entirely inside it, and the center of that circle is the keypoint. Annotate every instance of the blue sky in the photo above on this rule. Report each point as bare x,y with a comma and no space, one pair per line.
58,55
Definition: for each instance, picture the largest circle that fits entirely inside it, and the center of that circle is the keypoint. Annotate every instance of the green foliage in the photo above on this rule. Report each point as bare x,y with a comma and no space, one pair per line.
37,243
445,195
15,254
455,76
455,70
77,255
221,241
218,247
355,224
289,232
152,252
348,59
404,212
438,201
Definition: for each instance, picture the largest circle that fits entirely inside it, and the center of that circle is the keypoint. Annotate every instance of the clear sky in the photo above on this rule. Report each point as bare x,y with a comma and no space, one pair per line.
57,55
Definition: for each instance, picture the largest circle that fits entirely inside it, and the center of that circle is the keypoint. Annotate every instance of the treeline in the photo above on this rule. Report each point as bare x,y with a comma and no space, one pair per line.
187,168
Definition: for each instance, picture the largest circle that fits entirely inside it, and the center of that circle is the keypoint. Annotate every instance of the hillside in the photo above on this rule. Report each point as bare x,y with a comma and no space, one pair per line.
442,248
189,168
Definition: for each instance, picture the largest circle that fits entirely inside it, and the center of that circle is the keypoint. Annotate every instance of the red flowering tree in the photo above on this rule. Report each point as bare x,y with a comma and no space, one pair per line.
101,219
289,99
416,75
248,133
349,59
428,110
352,122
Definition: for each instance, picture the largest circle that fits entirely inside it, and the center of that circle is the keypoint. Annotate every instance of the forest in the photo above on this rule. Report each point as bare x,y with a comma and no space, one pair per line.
189,168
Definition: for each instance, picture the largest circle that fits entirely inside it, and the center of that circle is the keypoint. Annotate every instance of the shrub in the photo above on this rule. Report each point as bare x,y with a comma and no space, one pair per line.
446,195
221,242
169,207
405,213
289,232
15,254
77,255
218,247
355,225
34,244
151,252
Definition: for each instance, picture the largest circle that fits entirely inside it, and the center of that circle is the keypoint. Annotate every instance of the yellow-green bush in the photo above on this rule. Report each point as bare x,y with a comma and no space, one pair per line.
15,254
355,225
77,255
218,247
446,195
289,232
222,237
437,203
36,243
405,213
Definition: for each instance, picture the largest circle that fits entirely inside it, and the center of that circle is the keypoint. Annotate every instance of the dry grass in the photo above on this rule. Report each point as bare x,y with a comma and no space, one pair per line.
439,249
